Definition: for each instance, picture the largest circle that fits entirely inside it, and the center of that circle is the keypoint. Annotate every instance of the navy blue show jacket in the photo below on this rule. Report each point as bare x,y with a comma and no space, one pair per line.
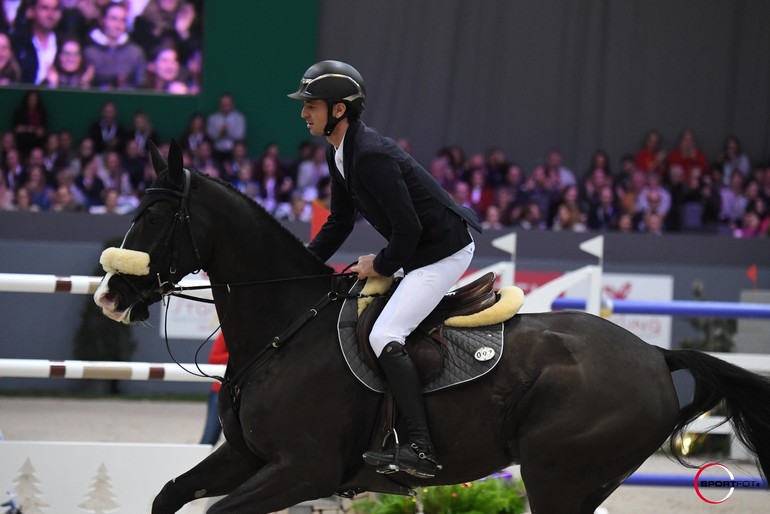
398,197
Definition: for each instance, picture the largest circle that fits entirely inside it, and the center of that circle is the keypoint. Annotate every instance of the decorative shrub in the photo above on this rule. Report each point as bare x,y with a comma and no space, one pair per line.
489,496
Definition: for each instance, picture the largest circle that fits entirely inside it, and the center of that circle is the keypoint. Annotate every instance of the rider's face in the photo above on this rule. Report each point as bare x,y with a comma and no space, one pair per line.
315,114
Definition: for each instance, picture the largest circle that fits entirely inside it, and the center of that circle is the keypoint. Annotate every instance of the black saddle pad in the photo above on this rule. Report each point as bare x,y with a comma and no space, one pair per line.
475,351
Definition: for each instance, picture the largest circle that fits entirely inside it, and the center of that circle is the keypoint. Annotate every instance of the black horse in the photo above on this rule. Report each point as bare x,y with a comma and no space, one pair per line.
579,402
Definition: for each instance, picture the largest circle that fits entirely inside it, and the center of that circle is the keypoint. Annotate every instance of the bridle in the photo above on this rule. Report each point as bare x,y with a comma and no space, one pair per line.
182,217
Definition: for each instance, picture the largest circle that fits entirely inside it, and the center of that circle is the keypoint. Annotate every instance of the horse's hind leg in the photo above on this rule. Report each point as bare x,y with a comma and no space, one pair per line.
216,475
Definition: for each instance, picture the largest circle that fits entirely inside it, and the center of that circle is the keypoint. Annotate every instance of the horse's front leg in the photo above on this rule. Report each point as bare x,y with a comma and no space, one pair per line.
281,484
216,475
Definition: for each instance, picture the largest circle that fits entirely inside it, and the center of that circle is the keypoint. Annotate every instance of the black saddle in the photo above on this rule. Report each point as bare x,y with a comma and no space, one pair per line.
427,345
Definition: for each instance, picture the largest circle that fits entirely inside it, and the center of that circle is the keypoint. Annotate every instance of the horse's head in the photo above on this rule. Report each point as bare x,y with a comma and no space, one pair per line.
162,245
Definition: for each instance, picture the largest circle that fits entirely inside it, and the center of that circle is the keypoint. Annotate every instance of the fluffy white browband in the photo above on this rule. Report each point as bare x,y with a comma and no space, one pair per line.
128,262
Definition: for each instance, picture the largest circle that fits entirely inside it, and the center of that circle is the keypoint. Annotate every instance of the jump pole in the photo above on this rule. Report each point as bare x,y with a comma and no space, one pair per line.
109,370
675,308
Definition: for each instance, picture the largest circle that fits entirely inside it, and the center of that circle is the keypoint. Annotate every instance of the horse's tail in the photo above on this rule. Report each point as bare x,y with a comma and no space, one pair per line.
746,398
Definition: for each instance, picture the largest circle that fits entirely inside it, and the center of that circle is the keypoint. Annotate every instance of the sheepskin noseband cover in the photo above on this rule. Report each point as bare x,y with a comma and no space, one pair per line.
127,262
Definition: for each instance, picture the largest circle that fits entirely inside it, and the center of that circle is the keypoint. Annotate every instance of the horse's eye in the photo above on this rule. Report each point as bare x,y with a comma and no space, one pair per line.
152,218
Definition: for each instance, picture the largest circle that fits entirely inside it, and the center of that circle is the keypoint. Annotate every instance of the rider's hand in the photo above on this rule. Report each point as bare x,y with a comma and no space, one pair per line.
365,267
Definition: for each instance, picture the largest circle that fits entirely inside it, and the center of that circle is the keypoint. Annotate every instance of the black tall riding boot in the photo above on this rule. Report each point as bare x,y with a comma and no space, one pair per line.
417,457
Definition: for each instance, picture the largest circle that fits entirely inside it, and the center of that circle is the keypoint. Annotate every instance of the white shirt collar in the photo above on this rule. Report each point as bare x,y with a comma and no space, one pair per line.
338,157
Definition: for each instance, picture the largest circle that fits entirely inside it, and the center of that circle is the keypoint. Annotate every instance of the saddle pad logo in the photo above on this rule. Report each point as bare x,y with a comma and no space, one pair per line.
484,354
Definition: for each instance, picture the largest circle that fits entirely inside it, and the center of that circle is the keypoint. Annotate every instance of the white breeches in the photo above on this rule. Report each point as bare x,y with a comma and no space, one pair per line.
416,296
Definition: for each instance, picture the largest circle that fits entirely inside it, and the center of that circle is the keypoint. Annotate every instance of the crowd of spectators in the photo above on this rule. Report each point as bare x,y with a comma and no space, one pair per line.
103,44
656,188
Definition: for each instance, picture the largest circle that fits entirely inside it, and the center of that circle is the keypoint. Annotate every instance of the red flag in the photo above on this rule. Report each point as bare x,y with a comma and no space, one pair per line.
320,215
752,274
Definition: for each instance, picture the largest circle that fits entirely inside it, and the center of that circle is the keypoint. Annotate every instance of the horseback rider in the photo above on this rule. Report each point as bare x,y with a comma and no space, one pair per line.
426,231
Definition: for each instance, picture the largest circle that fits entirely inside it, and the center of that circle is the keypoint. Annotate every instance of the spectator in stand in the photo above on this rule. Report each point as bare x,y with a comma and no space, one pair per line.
245,182
631,197
15,173
213,428
119,63
733,160
651,204
35,47
482,195
51,152
687,154
38,188
225,126
63,201
65,153
10,69
540,189
24,201
240,158
275,189
311,171
651,157
142,130
599,160
603,213
88,182
6,193
114,175
30,122
509,212
626,223
653,224
733,201
134,161
107,133
532,217
70,69
461,194
764,189
592,183
491,219
203,160
110,204
555,168
195,133
36,158
13,16
567,219
654,190
168,22
301,208
496,165
441,170
164,73
84,152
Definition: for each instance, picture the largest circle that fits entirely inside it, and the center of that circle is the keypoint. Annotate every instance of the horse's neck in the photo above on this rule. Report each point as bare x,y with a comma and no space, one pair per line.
252,315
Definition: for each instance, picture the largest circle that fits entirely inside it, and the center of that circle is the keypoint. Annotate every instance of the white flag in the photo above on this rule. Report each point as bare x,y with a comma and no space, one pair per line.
594,246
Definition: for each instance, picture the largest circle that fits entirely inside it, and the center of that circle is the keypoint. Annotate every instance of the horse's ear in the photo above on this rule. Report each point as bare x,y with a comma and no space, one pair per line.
158,162
175,163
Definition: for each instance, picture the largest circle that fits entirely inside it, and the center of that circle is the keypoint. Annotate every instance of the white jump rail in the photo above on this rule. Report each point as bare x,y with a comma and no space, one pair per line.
110,370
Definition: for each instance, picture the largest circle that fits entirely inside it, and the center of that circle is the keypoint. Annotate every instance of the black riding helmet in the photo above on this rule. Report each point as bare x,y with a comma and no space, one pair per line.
334,82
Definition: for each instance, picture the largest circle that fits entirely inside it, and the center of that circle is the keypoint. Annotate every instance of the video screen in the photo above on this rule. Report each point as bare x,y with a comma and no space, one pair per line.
153,46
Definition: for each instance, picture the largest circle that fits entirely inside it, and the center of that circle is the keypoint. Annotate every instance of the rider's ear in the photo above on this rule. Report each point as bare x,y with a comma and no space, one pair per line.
175,163
158,162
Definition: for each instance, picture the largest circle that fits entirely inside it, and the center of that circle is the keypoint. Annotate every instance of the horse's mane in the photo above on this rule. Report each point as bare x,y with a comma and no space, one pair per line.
264,215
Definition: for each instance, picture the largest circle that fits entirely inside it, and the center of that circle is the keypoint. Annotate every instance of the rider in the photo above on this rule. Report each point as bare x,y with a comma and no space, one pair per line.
427,236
